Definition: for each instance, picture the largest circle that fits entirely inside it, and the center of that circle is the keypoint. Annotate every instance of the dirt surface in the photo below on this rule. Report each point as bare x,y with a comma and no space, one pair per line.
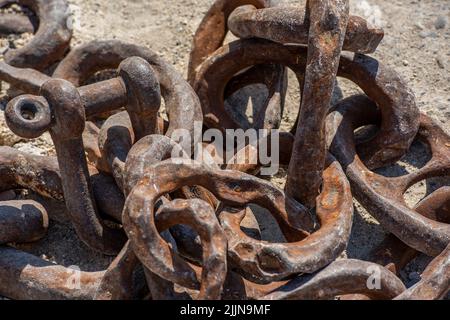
416,45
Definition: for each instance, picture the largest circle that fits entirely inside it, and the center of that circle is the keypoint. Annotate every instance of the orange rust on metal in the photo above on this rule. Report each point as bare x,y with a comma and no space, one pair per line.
189,227
22,221
264,262
15,24
288,24
210,36
51,39
20,170
229,187
435,280
395,254
26,277
400,113
213,29
64,104
181,102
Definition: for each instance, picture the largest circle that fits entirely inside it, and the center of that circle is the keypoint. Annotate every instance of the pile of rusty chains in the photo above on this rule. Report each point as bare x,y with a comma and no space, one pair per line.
128,197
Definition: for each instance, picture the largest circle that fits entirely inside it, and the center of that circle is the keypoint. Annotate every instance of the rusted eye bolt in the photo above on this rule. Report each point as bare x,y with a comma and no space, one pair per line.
29,116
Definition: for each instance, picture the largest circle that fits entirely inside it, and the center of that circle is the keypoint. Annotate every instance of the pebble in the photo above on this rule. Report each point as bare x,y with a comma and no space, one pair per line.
440,22
405,62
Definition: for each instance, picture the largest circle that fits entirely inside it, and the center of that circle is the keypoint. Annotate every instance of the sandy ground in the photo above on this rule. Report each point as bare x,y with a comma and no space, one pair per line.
416,45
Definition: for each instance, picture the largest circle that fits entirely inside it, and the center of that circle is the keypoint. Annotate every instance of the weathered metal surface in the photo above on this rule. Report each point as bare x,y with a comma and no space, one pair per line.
201,217
181,102
22,221
327,25
396,102
392,252
15,24
435,280
41,174
263,262
115,139
173,174
64,104
213,29
395,254
22,170
274,77
117,281
26,277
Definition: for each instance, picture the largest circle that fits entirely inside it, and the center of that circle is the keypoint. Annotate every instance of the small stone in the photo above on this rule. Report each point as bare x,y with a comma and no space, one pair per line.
30,148
440,22
405,62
